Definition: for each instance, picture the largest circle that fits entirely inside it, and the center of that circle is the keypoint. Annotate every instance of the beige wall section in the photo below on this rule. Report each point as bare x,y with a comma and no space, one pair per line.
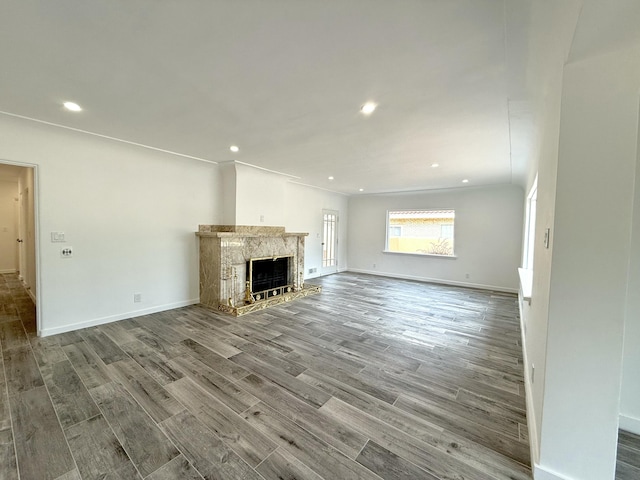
128,212
488,232
8,225
591,235
630,394
304,211
264,198
260,197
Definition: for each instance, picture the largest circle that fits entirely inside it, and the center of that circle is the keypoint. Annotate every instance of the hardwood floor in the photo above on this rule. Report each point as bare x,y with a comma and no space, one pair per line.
374,378
628,466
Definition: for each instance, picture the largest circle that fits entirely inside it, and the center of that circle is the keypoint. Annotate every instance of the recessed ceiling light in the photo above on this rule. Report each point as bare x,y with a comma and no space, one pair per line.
368,108
361,190
234,148
330,178
465,181
74,107
435,165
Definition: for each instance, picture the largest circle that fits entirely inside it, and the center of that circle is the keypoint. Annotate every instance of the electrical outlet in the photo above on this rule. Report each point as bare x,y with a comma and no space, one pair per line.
137,297
66,252
466,275
374,265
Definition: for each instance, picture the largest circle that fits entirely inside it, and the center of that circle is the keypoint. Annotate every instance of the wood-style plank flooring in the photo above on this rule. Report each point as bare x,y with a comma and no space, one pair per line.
628,465
374,378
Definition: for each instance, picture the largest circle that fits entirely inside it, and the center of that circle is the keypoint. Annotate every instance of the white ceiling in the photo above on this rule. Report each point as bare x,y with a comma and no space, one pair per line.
283,80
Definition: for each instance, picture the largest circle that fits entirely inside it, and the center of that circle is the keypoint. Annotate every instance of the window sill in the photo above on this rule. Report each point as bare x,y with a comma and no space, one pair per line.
420,254
526,284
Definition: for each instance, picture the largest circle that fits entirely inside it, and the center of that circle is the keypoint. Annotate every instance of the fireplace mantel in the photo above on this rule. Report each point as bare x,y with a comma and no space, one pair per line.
224,253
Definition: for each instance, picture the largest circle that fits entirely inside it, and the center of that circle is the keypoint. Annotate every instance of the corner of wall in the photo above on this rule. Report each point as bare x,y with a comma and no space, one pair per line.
629,424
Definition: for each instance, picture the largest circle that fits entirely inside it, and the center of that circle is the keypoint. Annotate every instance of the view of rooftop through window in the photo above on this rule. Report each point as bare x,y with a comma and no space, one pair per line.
428,232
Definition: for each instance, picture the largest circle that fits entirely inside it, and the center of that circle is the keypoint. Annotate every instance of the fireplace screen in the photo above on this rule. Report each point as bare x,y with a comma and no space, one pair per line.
268,276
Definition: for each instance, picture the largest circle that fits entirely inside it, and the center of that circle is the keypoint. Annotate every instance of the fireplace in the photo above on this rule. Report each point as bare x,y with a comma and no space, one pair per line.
269,277
247,268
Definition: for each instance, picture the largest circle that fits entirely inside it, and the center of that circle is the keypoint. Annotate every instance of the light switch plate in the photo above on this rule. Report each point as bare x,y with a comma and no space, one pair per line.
57,237
547,236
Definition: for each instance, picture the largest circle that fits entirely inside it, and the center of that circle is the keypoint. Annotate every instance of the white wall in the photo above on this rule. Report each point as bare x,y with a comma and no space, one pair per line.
8,224
130,215
227,193
588,282
630,394
488,236
260,197
304,214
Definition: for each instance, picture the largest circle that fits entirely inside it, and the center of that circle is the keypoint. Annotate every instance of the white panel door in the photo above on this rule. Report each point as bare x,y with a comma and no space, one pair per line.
329,241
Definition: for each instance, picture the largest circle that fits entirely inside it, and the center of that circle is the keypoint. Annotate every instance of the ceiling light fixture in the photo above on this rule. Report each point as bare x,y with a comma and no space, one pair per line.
465,181
368,108
435,165
361,190
74,107
234,148
330,178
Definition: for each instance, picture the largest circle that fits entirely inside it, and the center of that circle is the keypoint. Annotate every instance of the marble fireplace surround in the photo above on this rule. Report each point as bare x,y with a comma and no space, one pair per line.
224,253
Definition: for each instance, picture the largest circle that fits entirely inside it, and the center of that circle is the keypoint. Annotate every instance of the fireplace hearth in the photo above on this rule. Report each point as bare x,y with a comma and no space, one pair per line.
246,268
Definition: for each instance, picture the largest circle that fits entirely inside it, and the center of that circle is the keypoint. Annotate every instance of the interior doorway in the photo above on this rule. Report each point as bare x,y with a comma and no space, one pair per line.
18,224
329,241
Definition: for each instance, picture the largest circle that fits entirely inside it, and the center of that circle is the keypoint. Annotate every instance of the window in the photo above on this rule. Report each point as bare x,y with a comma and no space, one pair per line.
530,226
427,232
395,231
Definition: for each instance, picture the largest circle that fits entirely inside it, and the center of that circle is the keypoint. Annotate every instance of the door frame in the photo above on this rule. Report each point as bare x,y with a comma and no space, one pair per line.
37,298
331,268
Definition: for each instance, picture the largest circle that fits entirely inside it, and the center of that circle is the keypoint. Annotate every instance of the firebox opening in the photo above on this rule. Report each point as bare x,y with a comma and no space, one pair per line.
268,274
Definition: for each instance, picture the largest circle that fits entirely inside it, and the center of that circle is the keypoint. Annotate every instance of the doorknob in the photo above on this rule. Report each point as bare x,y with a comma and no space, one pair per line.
19,240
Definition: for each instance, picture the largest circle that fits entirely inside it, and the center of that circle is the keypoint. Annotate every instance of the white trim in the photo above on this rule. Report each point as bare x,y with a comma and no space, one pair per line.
318,275
420,254
526,284
142,145
320,188
238,162
33,298
541,473
435,280
37,297
8,270
630,424
531,419
114,318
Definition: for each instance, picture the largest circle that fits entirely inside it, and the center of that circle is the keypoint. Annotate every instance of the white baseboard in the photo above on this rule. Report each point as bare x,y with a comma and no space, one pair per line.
114,318
531,418
8,270
629,424
318,275
541,473
435,280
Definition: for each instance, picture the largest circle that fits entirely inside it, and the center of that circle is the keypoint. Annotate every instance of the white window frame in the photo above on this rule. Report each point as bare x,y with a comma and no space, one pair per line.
530,227
427,210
